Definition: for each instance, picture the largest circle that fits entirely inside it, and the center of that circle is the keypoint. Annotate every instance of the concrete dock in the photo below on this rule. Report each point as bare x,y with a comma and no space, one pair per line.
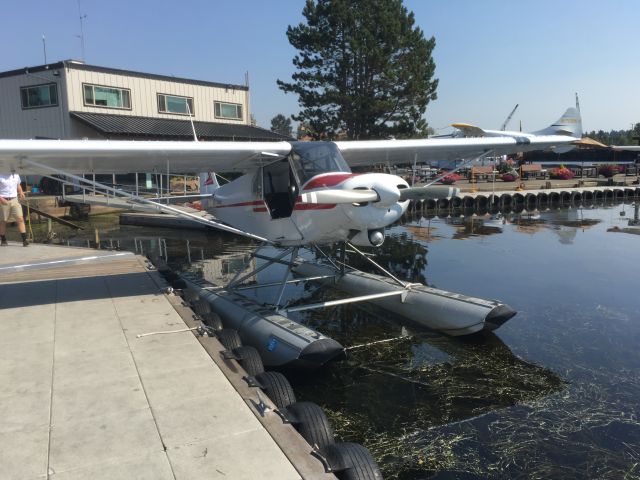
82,396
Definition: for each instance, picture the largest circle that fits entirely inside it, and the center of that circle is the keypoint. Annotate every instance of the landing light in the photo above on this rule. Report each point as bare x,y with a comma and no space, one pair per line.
376,237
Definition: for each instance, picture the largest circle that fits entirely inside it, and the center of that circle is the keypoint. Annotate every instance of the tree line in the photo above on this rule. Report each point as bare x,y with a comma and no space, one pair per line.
617,137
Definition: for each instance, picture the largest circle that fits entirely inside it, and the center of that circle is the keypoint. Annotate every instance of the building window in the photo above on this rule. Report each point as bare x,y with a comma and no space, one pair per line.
38,96
108,97
227,110
174,104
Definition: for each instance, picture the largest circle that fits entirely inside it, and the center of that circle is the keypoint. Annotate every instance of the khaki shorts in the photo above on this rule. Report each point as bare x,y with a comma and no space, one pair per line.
11,209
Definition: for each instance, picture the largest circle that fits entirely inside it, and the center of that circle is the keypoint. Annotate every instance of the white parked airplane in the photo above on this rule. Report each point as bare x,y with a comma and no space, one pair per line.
569,124
290,193
300,194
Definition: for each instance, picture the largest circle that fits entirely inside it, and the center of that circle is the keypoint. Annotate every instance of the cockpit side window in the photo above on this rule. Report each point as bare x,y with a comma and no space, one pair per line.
313,158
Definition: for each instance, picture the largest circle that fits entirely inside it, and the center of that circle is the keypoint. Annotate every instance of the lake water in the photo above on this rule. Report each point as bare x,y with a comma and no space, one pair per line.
553,393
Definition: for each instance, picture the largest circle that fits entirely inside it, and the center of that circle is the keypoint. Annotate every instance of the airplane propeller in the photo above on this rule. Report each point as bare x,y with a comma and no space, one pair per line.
339,196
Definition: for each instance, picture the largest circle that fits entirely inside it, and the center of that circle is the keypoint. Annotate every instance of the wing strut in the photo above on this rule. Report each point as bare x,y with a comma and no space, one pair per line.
145,201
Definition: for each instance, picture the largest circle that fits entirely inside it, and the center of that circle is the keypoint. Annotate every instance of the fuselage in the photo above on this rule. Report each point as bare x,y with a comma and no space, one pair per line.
304,199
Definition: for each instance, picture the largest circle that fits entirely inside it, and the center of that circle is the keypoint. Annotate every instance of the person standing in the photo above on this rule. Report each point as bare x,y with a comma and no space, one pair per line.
10,192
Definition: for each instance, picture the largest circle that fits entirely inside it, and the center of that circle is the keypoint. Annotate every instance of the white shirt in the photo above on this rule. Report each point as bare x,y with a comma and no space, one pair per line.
9,185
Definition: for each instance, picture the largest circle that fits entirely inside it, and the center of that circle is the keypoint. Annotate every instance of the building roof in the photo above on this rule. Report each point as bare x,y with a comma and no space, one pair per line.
113,126
79,65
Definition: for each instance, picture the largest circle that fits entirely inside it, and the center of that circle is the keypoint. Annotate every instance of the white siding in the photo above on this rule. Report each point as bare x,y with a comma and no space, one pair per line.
144,93
16,122
55,122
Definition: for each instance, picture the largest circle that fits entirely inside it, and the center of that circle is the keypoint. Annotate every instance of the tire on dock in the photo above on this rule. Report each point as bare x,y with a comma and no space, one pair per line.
565,198
618,193
531,201
587,197
190,296
518,200
543,199
351,461
213,321
443,204
277,387
468,202
201,306
229,338
482,202
312,423
456,202
598,195
576,198
249,359
608,195
505,200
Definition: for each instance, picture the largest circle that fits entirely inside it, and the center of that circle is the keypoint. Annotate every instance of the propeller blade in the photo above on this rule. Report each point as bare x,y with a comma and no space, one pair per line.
339,196
428,193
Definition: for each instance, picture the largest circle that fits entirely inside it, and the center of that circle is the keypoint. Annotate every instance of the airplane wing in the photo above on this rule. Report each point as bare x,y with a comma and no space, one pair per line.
117,156
370,152
629,148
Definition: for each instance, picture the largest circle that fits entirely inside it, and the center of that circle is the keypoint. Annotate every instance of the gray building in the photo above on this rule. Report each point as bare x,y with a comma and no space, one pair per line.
73,100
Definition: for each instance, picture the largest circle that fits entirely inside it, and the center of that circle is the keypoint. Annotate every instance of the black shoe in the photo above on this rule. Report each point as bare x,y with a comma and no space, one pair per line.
25,243
3,243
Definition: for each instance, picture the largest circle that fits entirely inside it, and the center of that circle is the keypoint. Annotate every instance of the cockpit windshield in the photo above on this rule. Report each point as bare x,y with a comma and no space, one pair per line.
313,158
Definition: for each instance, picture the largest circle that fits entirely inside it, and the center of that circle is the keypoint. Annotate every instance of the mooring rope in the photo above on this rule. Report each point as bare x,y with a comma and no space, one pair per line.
167,331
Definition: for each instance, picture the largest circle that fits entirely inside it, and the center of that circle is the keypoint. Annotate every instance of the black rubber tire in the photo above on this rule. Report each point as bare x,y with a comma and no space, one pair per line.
278,388
201,307
178,284
312,424
249,359
351,461
229,338
212,320
190,295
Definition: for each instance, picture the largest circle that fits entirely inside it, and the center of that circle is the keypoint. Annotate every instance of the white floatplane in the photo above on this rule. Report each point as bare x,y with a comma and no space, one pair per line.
303,194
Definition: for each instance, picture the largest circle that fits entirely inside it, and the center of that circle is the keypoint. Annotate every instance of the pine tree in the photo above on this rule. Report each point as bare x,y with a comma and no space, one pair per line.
363,69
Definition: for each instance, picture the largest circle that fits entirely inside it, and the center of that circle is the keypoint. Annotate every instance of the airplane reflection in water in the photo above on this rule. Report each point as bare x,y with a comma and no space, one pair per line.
564,223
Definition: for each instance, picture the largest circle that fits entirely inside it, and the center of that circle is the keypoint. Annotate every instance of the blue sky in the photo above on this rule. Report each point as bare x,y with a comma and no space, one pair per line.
489,54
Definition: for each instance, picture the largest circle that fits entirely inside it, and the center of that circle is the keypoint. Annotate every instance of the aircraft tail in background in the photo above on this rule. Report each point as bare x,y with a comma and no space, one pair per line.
208,182
570,124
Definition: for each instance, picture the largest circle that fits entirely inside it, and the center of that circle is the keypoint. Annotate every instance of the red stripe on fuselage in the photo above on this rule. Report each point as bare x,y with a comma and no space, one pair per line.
314,206
327,180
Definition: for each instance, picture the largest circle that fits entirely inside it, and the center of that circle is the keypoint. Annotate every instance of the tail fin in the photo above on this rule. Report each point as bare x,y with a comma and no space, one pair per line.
208,183
569,124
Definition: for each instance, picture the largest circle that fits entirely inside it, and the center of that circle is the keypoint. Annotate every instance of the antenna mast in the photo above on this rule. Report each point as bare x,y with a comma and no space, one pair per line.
82,17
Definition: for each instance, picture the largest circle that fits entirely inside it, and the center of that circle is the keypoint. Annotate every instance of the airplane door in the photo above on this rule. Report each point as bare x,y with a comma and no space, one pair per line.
279,189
